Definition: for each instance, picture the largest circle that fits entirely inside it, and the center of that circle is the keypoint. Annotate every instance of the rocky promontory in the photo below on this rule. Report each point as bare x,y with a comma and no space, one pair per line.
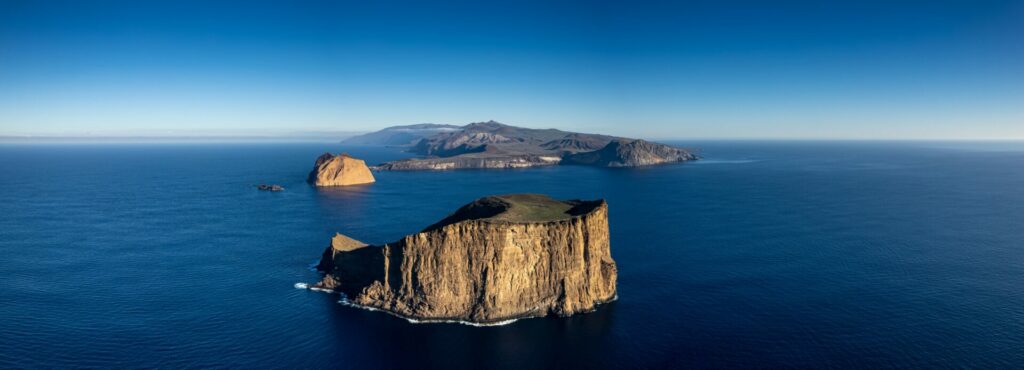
495,259
339,170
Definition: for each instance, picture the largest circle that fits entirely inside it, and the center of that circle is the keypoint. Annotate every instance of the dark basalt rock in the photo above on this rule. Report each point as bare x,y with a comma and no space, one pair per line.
266,187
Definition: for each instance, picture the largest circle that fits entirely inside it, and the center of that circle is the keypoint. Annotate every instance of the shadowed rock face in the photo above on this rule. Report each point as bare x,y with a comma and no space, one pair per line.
495,259
339,170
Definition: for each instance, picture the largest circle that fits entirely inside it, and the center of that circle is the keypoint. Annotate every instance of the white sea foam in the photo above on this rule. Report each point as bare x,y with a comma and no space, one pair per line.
344,301
313,288
479,325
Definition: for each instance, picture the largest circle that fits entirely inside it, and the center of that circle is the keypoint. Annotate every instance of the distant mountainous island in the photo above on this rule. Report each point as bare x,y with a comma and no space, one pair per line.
406,135
495,145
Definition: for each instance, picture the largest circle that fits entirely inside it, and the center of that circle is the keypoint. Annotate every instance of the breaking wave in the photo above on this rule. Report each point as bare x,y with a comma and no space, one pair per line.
344,301
313,288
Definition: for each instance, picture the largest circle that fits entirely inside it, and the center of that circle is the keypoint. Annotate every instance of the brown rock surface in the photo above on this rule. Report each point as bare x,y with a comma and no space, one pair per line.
339,170
495,259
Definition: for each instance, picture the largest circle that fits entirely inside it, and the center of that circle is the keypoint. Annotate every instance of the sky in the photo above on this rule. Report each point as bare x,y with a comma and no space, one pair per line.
673,69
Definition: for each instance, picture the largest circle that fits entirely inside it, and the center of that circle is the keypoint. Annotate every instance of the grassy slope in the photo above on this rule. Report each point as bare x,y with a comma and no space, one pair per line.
533,208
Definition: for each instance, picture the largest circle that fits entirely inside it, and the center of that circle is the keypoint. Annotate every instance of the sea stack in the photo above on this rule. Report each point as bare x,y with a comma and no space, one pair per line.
339,170
496,259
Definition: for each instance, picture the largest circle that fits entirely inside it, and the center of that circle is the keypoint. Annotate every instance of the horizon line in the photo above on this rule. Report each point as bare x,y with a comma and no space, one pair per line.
142,139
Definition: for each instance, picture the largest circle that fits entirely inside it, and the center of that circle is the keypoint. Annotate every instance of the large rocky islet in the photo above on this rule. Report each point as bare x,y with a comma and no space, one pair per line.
498,258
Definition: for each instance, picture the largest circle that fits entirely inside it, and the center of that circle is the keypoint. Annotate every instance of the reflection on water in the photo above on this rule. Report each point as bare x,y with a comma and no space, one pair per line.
341,201
527,343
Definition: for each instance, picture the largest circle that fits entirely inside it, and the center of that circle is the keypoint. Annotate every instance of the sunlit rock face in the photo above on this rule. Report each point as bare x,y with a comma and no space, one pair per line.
340,170
495,259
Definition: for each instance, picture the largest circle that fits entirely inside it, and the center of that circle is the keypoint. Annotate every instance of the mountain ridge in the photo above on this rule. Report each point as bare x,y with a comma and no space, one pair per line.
401,135
493,144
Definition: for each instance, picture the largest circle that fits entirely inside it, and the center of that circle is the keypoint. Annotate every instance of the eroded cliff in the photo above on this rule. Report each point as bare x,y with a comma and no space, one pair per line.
339,170
495,259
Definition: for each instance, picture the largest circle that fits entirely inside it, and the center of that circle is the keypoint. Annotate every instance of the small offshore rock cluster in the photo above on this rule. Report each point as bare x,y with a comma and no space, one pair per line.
266,187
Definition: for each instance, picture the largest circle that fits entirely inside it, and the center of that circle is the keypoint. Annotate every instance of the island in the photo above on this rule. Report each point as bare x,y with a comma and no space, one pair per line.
339,170
405,135
496,259
495,145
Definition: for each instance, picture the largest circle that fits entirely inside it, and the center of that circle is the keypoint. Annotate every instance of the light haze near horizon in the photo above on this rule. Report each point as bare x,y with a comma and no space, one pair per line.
670,70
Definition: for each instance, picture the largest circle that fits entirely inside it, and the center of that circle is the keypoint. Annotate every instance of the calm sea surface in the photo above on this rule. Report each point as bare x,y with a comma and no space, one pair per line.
765,254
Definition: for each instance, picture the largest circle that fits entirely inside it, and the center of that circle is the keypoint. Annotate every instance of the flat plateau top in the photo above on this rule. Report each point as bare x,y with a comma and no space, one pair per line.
530,208
518,208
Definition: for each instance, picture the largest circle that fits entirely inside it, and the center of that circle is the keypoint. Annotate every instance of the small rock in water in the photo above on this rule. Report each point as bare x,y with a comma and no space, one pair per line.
270,187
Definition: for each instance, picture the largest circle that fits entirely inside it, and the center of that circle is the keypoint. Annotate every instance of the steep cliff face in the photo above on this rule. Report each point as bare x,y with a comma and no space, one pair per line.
339,170
495,259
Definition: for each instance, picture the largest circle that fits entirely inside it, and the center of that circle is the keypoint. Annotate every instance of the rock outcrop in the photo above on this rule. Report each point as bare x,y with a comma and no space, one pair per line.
339,170
495,259
273,187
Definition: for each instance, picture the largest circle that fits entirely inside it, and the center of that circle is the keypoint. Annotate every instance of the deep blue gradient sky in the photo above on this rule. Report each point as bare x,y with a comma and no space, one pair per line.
815,69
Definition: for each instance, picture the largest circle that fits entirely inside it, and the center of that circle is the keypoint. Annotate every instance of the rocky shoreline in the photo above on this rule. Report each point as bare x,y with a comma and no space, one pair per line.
469,162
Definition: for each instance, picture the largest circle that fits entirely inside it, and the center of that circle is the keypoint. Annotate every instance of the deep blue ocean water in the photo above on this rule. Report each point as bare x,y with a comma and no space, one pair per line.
765,254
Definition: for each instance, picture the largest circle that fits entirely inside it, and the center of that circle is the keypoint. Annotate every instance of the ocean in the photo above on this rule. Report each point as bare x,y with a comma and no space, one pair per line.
806,254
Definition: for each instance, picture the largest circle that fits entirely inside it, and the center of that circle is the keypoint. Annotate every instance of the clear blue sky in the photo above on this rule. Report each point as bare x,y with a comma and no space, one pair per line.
674,69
